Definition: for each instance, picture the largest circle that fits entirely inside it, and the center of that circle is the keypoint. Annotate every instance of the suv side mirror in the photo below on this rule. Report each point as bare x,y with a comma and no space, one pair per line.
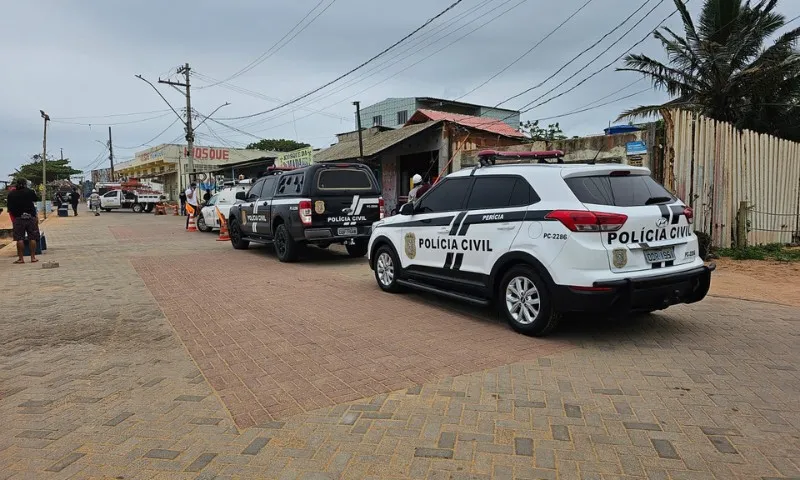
407,209
241,195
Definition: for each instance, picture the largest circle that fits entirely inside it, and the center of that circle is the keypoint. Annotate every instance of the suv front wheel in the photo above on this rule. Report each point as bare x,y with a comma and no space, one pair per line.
526,303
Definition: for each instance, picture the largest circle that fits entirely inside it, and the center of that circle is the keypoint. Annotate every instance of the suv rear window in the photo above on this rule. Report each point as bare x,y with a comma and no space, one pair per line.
344,179
622,191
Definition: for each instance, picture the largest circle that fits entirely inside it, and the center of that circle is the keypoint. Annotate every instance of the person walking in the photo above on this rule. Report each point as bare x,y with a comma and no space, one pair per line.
22,207
94,202
192,207
74,198
182,198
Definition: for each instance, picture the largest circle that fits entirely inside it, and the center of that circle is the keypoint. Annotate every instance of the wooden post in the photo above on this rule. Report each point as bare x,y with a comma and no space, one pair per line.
741,225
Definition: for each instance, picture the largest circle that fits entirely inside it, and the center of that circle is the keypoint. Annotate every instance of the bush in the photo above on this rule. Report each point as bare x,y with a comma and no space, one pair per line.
773,251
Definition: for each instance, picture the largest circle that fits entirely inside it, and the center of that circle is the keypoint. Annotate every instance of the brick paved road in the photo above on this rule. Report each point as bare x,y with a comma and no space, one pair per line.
108,370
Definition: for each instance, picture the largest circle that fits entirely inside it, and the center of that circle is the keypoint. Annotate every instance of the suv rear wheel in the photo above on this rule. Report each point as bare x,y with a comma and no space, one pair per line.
357,249
525,302
235,232
285,246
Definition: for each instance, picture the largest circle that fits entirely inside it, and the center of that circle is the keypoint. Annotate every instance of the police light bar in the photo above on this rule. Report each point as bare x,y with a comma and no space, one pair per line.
487,157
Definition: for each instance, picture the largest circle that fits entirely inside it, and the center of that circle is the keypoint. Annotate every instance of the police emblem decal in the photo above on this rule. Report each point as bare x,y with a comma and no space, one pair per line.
410,241
319,207
620,257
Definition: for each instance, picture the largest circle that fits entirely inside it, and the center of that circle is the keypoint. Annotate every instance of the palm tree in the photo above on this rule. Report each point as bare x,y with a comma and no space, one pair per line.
721,69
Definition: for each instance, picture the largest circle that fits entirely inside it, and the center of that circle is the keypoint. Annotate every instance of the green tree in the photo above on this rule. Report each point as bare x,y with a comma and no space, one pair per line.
537,133
722,67
56,170
277,145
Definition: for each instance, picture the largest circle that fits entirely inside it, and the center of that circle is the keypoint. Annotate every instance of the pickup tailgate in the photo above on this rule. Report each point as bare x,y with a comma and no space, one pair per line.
346,199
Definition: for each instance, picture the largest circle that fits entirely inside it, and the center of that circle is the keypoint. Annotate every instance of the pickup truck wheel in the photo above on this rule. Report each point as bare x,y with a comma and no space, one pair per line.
285,246
235,232
148,208
525,302
106,209
358,249
137,208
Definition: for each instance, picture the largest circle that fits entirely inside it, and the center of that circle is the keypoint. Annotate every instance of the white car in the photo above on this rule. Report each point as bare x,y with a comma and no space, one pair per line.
224,199
540,240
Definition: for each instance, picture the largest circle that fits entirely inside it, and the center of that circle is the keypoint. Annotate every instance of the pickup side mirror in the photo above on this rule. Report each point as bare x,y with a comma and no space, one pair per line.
241,195
407,209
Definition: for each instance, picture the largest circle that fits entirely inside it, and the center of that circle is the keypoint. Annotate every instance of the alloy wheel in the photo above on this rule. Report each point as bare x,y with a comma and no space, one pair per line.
522,300
385,269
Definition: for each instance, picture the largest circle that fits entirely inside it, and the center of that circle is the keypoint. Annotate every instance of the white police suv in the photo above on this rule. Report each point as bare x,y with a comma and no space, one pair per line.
540,240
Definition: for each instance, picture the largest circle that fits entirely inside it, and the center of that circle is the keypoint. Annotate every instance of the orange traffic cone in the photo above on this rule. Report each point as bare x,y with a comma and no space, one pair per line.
223,228
177,213
192,225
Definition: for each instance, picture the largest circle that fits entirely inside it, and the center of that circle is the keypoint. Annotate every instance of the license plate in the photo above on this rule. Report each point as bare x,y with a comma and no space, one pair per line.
658,255
347,231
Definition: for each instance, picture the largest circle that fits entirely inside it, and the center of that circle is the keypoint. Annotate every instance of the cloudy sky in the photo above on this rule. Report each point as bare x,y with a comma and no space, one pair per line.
76,59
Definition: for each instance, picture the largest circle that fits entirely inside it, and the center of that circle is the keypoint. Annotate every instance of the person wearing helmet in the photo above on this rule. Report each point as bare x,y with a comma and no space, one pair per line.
94,202
419,188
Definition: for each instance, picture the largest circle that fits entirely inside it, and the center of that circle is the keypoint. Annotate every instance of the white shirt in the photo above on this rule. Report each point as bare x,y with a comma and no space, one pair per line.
191,197
412,195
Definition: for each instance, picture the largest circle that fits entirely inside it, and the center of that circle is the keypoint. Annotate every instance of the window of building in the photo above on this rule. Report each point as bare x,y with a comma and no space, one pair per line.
377,120
402,117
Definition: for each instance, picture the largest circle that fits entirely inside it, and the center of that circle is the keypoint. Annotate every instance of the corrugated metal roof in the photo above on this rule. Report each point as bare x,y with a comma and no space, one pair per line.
373,144
480,123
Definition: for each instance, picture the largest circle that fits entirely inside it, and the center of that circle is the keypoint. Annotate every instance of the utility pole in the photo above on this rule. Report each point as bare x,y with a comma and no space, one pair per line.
111,153
46,119
186,70
358,125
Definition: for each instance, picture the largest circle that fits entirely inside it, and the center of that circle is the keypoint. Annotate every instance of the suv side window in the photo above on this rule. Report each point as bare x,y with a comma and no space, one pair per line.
255,191
500,192
269,187
448,196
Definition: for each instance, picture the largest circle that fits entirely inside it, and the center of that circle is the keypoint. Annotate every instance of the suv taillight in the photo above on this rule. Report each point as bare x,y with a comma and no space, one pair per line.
689,214
305,212
381,207
585,221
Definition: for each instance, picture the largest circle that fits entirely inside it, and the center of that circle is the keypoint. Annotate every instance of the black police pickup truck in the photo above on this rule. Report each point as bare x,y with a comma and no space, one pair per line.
321,204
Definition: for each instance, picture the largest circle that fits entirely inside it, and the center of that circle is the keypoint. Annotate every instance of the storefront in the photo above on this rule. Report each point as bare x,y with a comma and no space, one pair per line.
168,165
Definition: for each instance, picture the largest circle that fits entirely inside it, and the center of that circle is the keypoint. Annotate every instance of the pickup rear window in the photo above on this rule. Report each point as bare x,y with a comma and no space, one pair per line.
332,179
622,191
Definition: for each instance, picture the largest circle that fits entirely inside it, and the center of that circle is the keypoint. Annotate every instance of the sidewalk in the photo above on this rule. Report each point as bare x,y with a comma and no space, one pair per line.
97,379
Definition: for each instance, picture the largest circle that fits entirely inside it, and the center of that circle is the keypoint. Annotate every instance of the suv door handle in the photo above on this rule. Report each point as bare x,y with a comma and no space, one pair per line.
506,226
444,231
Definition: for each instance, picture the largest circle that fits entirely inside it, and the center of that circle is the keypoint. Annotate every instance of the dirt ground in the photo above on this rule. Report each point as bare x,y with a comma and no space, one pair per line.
763,281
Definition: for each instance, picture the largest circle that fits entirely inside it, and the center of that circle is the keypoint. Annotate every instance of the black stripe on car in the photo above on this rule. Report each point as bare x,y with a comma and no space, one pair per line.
677,211
458,261
457,222
665,212
448,260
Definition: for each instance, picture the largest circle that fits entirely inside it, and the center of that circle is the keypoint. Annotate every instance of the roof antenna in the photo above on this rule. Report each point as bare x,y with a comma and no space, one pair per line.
594,160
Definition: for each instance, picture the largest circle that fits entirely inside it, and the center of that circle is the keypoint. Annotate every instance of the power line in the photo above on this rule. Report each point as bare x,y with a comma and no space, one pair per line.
273,50
162,132
414,45
406,67
587,108
528,106
111,124
590,47
362,65
542,40
113,115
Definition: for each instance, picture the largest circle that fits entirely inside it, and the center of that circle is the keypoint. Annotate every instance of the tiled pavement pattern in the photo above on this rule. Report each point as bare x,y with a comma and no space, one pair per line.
95,383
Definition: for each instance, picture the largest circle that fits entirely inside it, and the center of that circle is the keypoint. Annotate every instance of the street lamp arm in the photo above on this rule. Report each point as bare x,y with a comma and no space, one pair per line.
162,98
206,117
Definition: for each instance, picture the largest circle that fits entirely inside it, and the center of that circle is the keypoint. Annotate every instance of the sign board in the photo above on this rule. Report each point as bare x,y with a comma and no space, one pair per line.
296,158
635,161
636,148
209,153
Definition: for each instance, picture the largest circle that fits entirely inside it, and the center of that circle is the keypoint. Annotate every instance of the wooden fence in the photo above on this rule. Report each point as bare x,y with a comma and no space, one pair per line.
713,167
